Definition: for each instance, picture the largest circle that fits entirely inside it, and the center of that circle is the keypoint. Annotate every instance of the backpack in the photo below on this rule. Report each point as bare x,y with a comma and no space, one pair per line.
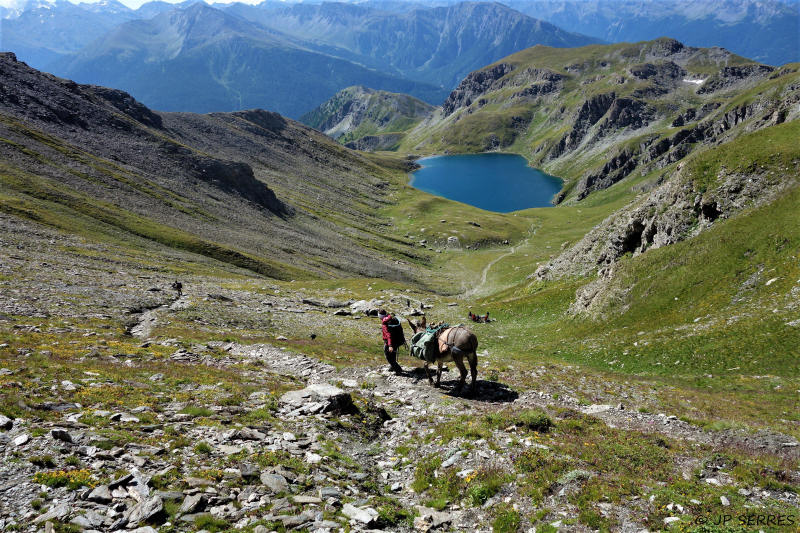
424,345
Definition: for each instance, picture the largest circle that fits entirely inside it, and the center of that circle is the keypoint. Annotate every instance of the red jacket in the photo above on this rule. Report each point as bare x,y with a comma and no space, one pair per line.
398,339
385,329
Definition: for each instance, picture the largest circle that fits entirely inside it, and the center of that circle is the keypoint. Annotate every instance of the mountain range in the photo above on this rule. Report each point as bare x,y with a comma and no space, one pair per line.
437,45
607,112
242,56
240,60
202,59
763,30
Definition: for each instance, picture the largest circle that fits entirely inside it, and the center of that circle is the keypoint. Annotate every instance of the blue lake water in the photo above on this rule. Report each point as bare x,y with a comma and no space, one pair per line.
495,182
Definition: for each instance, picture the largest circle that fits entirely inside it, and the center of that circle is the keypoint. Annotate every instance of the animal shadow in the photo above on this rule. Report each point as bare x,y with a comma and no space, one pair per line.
485,391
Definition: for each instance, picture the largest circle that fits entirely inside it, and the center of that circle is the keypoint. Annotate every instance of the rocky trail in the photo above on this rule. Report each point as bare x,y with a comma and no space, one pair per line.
148,318
344,449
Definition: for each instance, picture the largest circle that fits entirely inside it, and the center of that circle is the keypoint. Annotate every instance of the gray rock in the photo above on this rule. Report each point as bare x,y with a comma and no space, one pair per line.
306,499
145,529
365,516
332,399
249,471
100,494
138,487
261,529
151,510
280,504
431,518
193,504
170,495
121,481
61,434
89,520
123,417
297,520
249,434
5,422
453,459
59,512
21,439
275,482
330,492
228,449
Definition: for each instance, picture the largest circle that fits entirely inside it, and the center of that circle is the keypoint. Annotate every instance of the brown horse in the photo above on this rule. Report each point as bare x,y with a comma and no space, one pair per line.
455,344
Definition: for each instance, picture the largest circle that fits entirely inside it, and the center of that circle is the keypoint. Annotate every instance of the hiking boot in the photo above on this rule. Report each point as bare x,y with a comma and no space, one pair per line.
397,369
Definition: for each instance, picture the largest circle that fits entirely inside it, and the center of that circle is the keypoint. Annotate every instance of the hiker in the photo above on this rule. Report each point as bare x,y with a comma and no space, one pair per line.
485,318
178,287
393,338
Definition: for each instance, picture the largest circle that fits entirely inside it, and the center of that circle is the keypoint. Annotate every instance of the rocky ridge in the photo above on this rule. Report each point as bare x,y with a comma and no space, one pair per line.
608,112
365,119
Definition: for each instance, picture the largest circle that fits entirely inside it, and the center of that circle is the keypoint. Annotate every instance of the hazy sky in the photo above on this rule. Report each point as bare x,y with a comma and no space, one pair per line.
133,4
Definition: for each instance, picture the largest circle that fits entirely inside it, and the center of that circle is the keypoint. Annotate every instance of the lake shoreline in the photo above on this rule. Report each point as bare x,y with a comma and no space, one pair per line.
495,181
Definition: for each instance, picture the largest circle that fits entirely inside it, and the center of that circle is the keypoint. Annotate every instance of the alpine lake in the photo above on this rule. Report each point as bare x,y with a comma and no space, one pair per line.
495,182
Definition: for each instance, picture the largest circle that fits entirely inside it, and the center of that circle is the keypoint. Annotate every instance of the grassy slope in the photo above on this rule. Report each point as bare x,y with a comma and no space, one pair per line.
697,314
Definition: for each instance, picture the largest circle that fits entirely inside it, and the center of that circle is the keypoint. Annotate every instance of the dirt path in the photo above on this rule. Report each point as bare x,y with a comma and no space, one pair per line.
485,273
149,318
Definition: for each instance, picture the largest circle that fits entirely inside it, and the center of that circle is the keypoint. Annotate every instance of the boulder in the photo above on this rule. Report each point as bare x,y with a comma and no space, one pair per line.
193,504
100,494
89,520
431,519
319,397
275,482
61,434
6,423
249,471
149,511
59,512
367,307
366,515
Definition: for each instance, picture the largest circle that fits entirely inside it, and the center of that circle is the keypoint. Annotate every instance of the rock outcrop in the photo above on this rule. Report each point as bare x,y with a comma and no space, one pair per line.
475,85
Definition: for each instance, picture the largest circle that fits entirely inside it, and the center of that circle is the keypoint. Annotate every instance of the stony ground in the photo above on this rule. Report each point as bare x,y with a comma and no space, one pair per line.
128,407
